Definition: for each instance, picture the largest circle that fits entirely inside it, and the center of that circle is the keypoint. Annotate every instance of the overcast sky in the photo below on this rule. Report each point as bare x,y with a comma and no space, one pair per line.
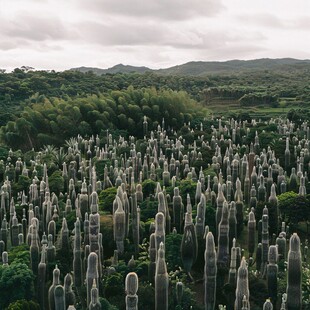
61,34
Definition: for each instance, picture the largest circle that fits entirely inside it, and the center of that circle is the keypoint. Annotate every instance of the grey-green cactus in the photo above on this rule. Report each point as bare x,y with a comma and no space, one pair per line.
94,302
161,280
210,272
119,226
242,290
77,259
69,294
272,273
251,233
294,274
91,274
131,288
223,238
41,279
178,210
59,297
51,292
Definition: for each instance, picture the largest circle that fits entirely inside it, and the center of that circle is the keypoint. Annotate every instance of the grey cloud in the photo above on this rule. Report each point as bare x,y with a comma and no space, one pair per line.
158,10
262,19
35,28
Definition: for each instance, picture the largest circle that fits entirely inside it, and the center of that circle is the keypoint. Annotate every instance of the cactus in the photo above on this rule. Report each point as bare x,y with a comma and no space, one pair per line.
51,292
232,219
267,305
223,238
251,233
189,245
152,255
242,290
274,214
77,259
119,226
265,241
232,276
51,250
219,203
91,274
69,294
34,247
272,273
200,218
41,279
210,272
59,294
179,292
94,302
294,274
281,243
161,280
178,210
131,288
159,230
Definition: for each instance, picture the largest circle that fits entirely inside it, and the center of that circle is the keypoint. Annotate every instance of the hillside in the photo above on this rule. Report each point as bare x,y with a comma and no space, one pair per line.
201,68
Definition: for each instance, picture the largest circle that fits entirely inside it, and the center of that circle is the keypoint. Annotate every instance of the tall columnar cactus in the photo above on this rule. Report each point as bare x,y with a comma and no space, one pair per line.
94,301
287,155
159,230
294,274
59,294
251,233
281,243
274,215
223,238
119,226
69,293
232,276
131,288
84,199
135,224
232,220
161,280
14,231
166,174
268,305
91,274
51,292
77,259
51,250
265,242
272,273
41,279
210,272
178,210
242,289
219,206
152,255
34,247
200,217
189,245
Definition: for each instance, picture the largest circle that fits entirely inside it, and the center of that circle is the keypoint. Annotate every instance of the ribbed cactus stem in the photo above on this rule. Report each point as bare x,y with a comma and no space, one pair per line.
189,245
77,259
210,272
223,237
119,226
232,276
161,280
42,278
200,217
242,290
94,302
159,230
251,233
178,210
91,274
69,294
268,305
294,274
131,288
59,298
272,273
51,292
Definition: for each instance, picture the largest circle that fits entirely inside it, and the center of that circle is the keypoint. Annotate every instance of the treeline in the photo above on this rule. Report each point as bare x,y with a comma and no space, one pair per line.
53,120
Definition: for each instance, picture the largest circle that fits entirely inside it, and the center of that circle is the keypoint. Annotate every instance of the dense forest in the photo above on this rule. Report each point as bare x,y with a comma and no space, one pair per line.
127,191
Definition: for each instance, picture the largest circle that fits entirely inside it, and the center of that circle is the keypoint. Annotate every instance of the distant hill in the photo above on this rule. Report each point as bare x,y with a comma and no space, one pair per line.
201,68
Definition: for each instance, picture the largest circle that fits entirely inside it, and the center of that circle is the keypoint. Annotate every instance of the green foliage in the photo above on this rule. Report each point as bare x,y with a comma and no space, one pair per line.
106,198
105,305
148,187
20,254
16,283
56,182
173,256
24,305
294,208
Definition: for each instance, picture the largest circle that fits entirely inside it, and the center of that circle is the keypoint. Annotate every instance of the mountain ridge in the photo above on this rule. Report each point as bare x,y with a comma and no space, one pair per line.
200,68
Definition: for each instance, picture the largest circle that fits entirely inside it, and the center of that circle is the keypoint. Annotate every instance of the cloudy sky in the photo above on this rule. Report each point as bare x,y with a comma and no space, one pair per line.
61,34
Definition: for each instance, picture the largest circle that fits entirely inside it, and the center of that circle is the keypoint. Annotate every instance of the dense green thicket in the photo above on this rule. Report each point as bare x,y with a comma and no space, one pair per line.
54,120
